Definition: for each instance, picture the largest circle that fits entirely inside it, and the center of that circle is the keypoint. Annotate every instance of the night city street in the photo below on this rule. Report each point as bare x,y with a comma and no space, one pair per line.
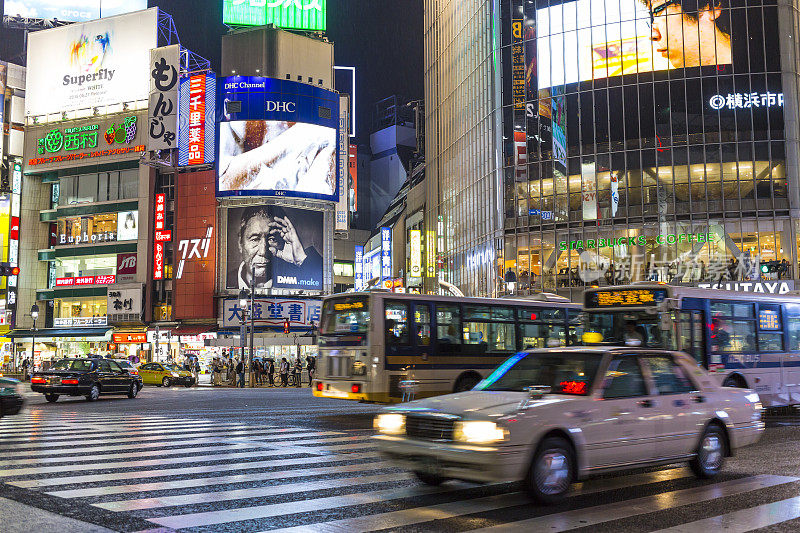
206,459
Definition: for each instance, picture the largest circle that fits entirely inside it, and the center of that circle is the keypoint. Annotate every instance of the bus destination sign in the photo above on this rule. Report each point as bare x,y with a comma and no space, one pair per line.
625,298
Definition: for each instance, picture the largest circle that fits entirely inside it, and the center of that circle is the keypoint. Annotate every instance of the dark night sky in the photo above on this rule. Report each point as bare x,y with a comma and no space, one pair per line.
381,38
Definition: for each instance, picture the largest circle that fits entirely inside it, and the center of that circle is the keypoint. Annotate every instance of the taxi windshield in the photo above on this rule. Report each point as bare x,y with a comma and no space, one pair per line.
80,365
564,372
173,367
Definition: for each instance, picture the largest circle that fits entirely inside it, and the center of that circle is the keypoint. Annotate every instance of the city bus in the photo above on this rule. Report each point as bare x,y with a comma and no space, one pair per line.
373,343
748,340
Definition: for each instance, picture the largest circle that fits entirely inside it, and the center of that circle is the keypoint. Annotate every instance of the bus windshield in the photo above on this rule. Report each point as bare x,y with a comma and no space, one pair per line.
345,316
625,328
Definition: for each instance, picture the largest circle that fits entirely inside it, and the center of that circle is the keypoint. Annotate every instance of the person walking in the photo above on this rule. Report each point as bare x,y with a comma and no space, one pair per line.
284,370
257,368
271,372
240,373
311,365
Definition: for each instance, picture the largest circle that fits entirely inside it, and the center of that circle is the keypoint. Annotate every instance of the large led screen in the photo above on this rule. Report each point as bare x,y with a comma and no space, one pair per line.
276,247
86,65
278,138
292,14
593,39
71,10
273,155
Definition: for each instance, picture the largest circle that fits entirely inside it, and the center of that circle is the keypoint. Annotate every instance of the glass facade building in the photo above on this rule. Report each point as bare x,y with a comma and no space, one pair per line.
639,140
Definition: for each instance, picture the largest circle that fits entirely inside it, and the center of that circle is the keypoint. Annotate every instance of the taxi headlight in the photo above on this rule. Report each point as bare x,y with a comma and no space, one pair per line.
479,432
175,375
390,423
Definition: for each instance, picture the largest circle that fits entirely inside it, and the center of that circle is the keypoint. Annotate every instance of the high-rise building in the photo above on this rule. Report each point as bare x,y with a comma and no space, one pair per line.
595,143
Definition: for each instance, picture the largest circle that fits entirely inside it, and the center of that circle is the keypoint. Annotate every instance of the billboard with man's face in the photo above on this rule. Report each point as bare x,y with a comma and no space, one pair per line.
583,40
278,138
274,247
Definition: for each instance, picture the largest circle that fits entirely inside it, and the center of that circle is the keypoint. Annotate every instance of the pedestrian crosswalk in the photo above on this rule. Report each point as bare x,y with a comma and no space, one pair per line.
147,471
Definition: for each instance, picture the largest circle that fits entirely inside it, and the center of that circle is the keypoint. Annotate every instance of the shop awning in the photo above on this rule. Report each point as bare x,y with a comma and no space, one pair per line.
188,331
48,334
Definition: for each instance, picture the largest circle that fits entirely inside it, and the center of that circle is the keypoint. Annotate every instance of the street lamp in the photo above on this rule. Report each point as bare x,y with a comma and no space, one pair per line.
34,315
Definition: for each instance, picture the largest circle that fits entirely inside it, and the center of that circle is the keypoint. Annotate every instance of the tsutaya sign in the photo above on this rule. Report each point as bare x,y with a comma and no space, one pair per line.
765,287
639,240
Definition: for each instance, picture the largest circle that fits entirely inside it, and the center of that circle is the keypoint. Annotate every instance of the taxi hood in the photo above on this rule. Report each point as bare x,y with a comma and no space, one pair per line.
485,403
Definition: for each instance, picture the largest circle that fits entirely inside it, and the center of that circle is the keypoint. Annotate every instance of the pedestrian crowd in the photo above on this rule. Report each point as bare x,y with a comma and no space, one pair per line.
231,371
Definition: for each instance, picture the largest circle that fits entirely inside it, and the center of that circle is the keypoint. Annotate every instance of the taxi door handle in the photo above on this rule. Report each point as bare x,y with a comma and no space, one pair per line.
645,403
699,399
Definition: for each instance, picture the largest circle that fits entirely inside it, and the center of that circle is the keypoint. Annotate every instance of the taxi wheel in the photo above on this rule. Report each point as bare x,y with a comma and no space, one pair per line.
711,453
430,479
94,393
188,385
552,471
51,398
133,391
165,382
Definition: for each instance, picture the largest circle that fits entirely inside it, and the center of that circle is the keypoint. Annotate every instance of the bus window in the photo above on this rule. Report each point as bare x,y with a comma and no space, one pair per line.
447,326
793,333
542,335
396,324
477,312
422,323
537,314
729,335
731,309
489,337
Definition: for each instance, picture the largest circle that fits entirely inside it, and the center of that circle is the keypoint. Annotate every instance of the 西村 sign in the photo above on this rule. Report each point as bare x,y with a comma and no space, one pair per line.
745,100
639,240
291,14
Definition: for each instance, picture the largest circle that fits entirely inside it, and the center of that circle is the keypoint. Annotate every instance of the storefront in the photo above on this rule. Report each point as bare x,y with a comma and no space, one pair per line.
52,344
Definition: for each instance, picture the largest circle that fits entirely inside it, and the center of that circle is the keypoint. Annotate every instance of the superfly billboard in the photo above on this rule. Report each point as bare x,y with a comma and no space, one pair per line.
71,10
80,66
278,138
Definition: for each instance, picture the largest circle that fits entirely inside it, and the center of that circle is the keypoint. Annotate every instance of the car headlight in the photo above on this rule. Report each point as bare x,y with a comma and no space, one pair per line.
479,432
390,423
175,375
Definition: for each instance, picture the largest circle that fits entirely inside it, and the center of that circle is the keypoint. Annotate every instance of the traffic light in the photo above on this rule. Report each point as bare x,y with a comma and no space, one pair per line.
286,325
6,269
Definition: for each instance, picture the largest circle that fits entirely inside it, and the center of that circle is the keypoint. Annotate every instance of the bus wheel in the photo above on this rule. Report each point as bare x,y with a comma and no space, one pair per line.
430,479
735,382
466,382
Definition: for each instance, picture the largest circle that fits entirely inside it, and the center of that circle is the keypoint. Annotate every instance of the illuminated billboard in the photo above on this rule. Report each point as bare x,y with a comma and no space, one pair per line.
278,138
275,247
290,14
86,65
71,10
198,100
593,39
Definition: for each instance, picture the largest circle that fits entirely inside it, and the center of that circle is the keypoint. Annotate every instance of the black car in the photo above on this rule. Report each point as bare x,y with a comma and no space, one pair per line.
10,396
85,377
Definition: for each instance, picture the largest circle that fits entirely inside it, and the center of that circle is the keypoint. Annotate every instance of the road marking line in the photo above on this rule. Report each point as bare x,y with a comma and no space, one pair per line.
745,520
242,494
659,502
61,440
167,472
221,480
417,515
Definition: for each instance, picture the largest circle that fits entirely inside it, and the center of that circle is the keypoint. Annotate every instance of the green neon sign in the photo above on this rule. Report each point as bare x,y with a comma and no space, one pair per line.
640,240
86,137
291,14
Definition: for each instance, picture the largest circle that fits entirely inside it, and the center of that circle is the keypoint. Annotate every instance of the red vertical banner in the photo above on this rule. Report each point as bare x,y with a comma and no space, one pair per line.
197,119
158,247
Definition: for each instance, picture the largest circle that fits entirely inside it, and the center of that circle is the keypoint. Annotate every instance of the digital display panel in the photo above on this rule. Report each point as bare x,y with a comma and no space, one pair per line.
593,39
71,10
769,320
278,138
291,14
625,298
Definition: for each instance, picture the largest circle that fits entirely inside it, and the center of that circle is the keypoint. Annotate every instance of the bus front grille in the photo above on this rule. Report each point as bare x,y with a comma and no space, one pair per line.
429,428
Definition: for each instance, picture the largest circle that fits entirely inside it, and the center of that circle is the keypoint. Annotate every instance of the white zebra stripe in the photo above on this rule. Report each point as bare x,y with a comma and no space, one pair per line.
745,520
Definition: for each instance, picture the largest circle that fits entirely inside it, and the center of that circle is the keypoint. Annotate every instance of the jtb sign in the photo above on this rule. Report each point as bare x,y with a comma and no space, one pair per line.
293,14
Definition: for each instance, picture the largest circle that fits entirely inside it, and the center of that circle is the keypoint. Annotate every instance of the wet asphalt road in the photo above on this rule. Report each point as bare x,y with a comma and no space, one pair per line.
206,459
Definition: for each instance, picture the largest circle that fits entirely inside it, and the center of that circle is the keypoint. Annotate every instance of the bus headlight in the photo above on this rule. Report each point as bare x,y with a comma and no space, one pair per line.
390,423
479,432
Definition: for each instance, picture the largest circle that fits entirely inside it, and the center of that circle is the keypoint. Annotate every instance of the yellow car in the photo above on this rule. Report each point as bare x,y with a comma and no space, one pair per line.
166,374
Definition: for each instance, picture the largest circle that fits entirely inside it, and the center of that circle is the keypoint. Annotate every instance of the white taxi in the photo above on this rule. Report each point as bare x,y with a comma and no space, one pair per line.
551,417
